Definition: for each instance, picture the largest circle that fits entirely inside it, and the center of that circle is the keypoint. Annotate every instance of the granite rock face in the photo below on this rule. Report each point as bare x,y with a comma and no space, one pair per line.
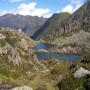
81,72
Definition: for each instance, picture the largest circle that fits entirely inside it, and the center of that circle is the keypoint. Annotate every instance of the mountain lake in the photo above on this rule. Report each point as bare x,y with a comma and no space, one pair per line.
45,55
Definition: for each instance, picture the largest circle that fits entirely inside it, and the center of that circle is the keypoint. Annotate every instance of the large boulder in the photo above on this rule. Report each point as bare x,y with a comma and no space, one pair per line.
81,72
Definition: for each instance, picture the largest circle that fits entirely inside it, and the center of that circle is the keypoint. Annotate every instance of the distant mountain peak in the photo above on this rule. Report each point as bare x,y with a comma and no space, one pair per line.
51,24
64,24
28,24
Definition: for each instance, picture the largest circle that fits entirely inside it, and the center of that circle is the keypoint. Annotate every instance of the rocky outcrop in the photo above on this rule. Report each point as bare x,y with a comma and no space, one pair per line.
81,72
2,36
16,55
68,49
41,50
22,88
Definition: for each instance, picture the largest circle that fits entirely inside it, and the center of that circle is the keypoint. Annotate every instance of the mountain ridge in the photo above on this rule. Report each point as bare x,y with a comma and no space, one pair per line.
28,24
56,19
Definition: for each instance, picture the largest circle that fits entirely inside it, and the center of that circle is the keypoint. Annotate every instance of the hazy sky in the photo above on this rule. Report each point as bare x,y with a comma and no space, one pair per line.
39,8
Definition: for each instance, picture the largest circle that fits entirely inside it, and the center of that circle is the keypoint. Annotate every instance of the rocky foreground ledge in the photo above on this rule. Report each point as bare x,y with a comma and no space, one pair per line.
22,88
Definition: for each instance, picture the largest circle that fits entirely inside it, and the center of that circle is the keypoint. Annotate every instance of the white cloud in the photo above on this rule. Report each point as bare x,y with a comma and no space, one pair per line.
73,6
68,8
48,15
35,12
78,6
4,12
29,9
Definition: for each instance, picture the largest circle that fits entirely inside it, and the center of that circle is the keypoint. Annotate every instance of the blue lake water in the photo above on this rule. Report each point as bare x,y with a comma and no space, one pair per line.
67,57
45,55
45,46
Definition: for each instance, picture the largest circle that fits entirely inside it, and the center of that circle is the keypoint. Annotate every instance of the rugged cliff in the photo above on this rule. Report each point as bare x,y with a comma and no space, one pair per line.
79,20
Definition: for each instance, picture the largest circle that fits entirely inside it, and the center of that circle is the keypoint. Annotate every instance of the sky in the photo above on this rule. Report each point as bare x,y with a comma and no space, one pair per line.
40,8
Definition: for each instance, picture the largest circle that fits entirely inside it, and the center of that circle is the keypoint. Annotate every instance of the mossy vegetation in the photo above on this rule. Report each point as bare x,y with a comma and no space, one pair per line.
10,40
62,68
8,69
86,58
59,77
71,83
